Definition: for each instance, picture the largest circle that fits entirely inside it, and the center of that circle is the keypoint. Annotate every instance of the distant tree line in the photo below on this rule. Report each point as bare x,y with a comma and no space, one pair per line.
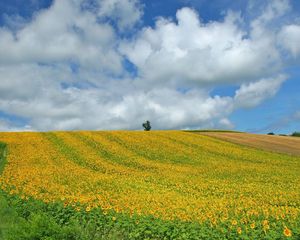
294,134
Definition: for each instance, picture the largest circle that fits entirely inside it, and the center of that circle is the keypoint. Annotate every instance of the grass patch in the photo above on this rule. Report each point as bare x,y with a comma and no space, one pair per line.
33,219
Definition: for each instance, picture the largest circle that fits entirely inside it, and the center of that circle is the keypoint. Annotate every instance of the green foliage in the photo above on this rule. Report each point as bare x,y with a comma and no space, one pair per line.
2,156
271,133
296,134
147,126
32,219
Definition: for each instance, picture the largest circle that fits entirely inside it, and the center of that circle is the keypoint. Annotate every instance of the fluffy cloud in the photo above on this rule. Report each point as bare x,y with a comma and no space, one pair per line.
60,34
172,109
65,69
289,37
201,53
115,106
126,12
254,93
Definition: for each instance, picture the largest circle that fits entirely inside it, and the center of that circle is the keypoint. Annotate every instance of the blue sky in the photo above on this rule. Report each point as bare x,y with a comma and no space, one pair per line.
182,64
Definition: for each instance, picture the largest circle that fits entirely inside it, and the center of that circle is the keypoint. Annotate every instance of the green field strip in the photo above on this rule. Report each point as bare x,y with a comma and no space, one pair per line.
3,153
116,157
104,151
55,158
89,153
236,151
259,150
131,140
154,172
151,170
143,177
248,155
192,152
197,150
131,150
203,157
70,152
149,147
248,159
212,152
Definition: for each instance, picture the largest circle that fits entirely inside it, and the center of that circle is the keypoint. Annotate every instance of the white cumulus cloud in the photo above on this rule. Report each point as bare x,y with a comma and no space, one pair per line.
289,37
201,53
126,12
254,93
66,68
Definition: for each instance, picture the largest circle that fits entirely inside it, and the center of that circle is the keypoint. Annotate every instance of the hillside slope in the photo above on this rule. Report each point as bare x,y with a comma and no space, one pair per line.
169,175
281,144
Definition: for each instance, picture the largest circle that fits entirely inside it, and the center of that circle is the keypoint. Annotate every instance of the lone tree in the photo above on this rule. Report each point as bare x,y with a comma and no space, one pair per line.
146,126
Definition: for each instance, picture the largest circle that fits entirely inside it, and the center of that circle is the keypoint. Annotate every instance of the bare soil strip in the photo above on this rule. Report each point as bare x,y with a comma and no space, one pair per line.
281,144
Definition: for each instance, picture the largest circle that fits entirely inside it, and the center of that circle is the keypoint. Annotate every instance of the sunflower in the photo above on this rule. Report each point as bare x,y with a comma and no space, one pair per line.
88,208
287,232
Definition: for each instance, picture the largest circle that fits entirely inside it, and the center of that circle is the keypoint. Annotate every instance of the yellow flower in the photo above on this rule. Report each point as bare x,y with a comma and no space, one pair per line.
265,222
77,209
114,218
252,225
234,222
88,208
239,230
287,232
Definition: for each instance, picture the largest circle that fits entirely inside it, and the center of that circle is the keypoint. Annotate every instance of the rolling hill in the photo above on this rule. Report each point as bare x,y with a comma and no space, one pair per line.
165,179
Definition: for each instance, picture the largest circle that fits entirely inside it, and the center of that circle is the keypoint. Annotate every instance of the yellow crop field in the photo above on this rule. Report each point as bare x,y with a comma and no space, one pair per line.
167,175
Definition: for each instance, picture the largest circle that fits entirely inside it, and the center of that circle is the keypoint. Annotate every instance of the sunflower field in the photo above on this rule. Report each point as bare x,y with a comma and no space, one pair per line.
144,185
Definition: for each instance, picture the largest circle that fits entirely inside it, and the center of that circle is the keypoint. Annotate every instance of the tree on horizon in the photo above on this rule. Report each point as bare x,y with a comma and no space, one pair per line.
147,126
